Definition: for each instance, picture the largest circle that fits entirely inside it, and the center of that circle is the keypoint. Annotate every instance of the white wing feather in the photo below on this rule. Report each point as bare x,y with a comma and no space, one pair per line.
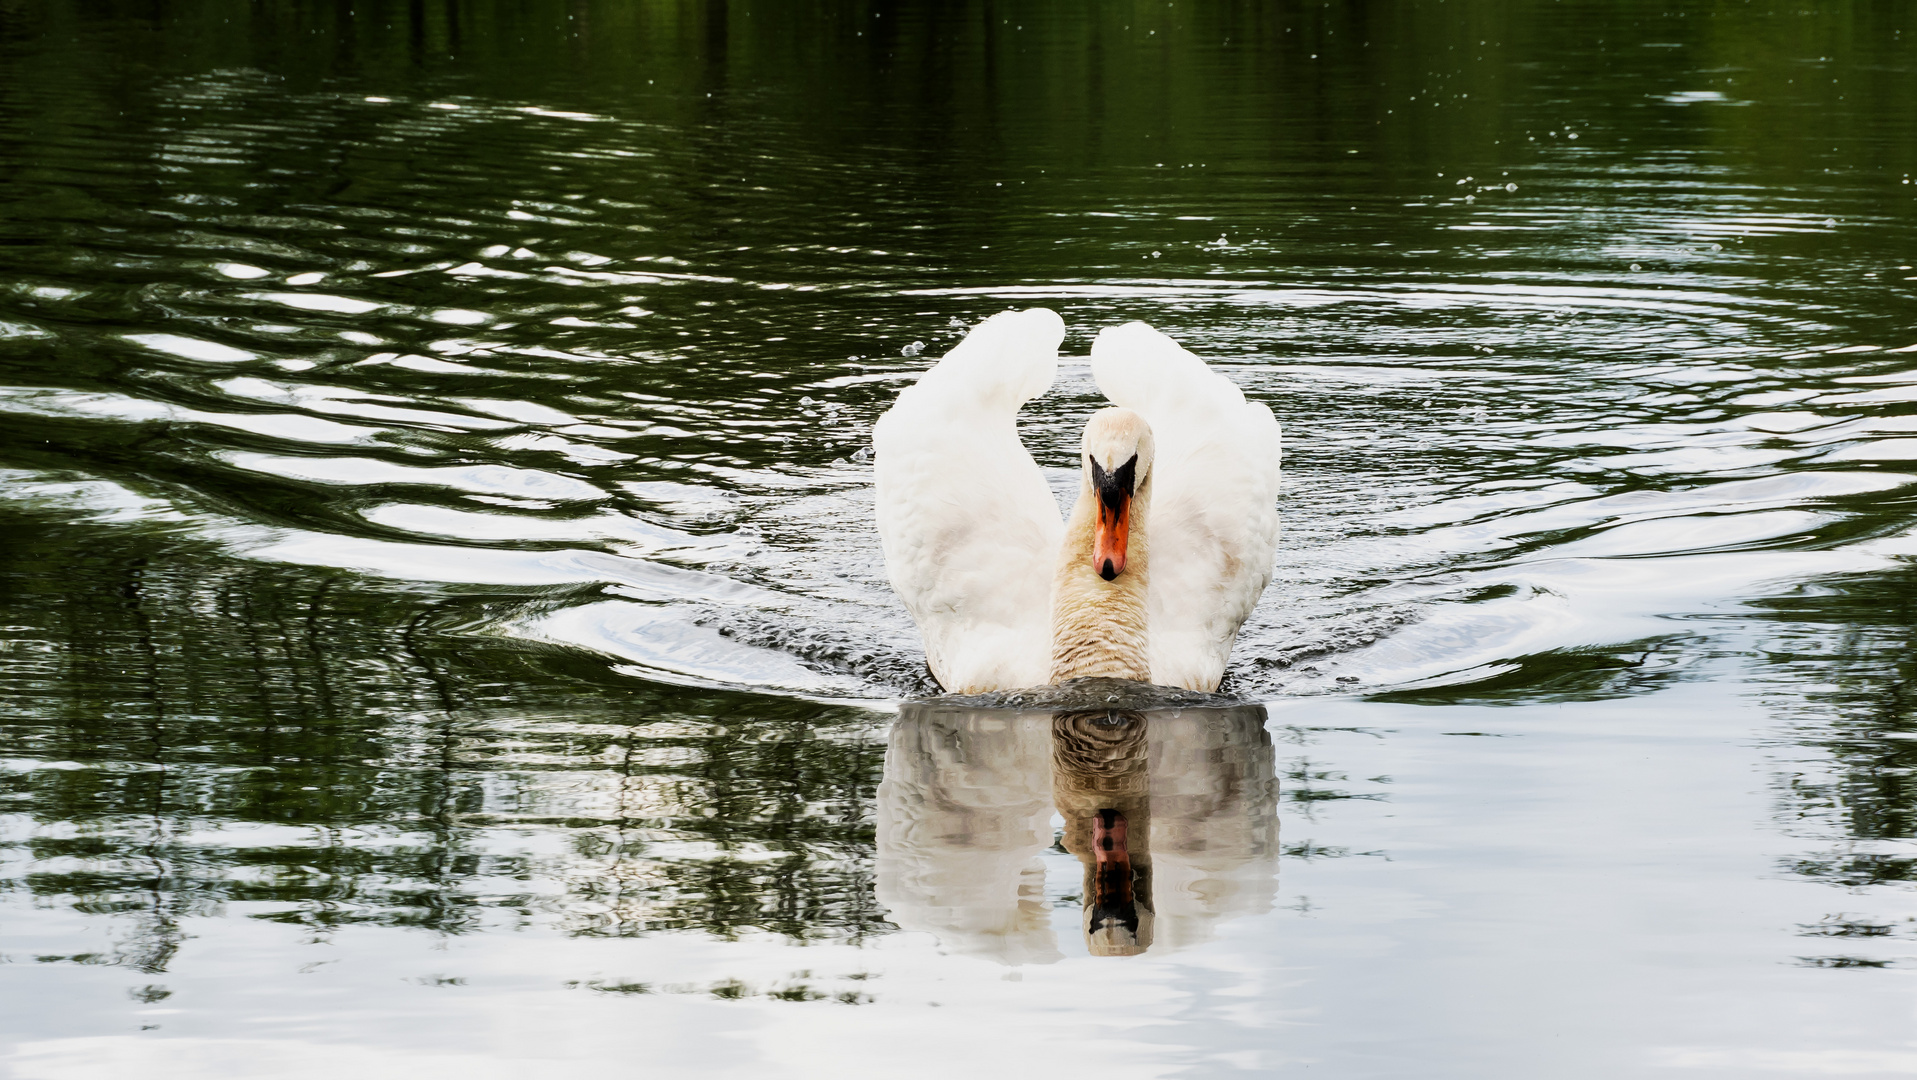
1214,513
970,530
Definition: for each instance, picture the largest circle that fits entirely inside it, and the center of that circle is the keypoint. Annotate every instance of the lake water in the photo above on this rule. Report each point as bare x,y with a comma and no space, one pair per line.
442,631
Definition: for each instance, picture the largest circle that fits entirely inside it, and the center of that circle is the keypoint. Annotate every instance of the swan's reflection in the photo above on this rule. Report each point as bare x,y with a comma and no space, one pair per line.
1171,812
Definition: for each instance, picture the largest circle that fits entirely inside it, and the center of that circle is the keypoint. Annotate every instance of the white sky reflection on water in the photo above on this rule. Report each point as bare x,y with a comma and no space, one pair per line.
1609,880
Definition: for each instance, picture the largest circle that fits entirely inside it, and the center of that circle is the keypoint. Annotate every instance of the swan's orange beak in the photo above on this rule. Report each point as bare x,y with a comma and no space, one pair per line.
1114,493
1108,543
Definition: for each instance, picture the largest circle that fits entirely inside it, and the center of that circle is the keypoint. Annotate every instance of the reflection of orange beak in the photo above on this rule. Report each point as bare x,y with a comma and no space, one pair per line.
1109,830
1108,545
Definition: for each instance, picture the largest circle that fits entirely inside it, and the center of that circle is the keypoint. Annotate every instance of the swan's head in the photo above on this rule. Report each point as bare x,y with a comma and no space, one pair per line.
1118,461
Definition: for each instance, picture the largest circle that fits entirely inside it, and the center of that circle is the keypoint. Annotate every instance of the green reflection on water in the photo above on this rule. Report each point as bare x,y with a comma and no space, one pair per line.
784,187
195,735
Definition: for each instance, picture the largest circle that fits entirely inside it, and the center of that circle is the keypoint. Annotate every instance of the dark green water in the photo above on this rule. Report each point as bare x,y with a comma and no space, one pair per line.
442,633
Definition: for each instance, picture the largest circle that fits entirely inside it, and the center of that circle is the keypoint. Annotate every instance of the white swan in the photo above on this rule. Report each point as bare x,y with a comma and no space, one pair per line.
1168,548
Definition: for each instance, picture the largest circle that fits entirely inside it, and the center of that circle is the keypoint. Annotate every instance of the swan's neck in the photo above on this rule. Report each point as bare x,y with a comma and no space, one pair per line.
1098,626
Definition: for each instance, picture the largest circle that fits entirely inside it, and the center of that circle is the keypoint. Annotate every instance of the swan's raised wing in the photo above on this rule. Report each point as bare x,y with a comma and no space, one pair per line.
970,530
1214,512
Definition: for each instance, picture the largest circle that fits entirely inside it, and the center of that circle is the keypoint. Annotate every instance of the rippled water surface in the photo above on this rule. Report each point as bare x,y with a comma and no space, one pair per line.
442,631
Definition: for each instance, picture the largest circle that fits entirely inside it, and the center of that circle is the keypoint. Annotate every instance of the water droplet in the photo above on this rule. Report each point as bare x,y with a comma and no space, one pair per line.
913,349
1156,254
806,401
1511,187
1635,266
